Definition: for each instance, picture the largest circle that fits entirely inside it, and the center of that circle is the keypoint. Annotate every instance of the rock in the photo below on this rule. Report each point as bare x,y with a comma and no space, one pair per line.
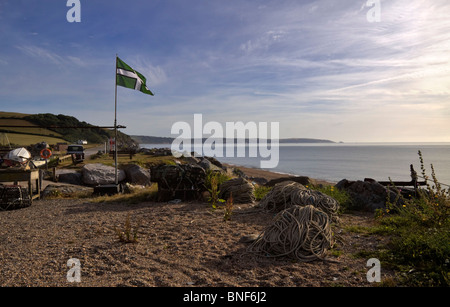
191,160
215,162
64,190
258,180
249,238
69,176
240,173
137,174
100,174
343,184
368,194
208,166
299,179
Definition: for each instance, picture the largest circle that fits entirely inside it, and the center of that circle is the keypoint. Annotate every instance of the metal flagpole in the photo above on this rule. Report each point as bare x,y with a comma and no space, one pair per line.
115,126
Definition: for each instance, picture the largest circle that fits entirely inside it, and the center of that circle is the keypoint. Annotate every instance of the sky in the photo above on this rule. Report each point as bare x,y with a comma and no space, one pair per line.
321,69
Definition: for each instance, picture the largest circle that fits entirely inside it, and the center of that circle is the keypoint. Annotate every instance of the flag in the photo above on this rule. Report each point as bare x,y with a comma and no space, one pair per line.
128,77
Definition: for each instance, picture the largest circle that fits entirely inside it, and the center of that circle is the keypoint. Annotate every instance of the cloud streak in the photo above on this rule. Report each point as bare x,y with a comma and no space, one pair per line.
318,67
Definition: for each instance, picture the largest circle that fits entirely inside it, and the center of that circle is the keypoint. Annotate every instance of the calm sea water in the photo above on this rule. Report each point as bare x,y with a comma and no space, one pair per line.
354,161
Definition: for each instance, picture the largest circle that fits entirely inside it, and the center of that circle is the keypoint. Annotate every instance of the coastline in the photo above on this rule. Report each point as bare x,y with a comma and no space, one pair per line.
269,175
253,171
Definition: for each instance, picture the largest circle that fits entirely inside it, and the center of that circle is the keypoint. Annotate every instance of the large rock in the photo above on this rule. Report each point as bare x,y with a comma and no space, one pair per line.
69,176
207,165
137,174
368,194
100,174
55,190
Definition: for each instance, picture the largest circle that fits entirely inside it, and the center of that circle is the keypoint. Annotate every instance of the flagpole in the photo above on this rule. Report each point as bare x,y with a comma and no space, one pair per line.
115,125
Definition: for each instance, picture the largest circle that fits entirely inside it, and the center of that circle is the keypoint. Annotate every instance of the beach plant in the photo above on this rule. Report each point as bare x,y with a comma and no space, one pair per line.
261,191
212,182
128,233
420,233
341,196
135,195
228,210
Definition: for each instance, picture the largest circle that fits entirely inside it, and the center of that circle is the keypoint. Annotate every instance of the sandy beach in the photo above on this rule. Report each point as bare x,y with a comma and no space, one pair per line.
178,245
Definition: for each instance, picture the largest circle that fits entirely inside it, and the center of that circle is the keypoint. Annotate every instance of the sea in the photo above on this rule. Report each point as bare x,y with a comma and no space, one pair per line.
352,161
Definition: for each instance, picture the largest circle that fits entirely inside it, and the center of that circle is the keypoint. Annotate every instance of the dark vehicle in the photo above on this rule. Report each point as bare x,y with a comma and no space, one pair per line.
77,153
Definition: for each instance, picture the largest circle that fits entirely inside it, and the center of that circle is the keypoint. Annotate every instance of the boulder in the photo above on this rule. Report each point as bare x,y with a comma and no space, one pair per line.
100,174
208,166
69,176
137,174
258,180
215,162
55,190
367,195
191,160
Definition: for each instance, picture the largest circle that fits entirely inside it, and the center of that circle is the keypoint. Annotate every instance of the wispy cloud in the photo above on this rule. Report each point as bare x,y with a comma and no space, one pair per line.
41,53
318,67
48,56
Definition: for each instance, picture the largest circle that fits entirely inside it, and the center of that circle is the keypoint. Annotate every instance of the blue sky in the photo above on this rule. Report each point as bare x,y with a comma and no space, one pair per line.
319,68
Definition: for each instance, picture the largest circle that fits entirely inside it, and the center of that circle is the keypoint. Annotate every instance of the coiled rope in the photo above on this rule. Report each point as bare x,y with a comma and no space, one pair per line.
303,233
290,193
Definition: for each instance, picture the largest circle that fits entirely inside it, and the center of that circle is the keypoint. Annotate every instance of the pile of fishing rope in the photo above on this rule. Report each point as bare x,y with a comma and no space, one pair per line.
289,193
302,233
302,226
241,189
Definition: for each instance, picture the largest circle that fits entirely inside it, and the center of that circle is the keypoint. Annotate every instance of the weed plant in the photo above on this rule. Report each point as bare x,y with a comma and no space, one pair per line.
128,233
228,209
213,182
341,196
420,230
261,191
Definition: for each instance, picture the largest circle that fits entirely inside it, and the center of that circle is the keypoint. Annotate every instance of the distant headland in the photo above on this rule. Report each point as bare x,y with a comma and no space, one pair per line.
141,139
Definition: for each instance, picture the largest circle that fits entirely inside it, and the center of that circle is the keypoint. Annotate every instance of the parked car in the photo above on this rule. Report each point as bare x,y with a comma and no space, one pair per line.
77,153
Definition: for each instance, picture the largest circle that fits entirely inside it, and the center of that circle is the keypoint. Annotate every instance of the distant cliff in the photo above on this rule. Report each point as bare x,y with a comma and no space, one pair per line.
142,139
303,140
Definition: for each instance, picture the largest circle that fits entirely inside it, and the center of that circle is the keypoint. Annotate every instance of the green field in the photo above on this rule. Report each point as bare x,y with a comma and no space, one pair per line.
24,136
27,139
29,130
32,130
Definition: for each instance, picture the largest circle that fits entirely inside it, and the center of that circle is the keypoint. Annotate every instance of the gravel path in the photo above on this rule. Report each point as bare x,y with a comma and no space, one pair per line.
184,244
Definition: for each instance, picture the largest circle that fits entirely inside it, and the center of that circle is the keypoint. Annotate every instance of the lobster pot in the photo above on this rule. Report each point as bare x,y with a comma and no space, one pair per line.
179,181
14,197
